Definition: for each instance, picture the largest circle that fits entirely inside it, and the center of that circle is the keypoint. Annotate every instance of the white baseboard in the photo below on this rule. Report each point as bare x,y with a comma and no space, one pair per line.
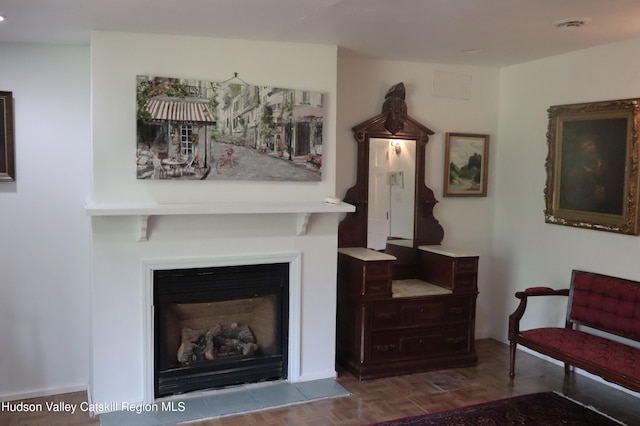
482,334
317,376
43,392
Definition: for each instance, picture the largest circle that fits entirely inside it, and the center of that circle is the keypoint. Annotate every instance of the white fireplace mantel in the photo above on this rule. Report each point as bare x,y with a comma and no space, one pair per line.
143,211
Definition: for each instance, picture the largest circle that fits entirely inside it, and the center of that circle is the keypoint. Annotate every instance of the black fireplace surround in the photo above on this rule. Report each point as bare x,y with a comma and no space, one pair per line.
256,295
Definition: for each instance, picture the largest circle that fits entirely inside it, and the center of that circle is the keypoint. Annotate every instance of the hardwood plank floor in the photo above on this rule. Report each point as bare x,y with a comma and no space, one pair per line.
389,398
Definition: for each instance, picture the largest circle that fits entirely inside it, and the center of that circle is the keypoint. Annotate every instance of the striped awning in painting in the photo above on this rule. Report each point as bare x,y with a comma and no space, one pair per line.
179,110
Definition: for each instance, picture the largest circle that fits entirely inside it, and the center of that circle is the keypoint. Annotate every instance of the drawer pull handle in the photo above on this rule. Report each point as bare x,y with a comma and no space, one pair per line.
454,340
457,310
385,348
386,315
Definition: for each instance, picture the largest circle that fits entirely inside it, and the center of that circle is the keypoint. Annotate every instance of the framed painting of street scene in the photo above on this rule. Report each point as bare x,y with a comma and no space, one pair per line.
466,165
230,130
592,166
7,158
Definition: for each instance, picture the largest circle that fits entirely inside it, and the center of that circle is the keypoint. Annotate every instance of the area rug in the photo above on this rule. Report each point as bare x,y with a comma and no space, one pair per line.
540,409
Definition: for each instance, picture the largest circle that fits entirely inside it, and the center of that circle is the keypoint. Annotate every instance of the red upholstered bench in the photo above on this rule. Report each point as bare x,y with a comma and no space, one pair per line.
608,304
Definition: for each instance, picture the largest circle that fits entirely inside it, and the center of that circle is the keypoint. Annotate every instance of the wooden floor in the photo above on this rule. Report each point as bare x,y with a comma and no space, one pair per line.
385,399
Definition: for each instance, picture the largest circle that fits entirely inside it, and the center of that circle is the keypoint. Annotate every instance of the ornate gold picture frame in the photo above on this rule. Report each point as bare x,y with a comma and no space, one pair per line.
592,166
7,159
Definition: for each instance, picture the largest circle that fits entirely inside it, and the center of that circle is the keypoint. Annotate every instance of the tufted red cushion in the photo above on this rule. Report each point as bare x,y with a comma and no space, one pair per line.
608,303
593,349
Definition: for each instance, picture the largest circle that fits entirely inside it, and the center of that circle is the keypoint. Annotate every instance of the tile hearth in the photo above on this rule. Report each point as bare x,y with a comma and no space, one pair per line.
224,403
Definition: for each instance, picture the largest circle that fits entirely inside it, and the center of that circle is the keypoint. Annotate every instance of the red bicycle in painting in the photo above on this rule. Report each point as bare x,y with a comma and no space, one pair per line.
224,160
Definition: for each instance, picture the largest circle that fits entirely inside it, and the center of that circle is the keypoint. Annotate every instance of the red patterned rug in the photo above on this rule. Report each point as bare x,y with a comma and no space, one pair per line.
539,409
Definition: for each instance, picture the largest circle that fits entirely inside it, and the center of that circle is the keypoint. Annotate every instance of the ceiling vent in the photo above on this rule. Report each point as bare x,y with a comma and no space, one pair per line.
571,22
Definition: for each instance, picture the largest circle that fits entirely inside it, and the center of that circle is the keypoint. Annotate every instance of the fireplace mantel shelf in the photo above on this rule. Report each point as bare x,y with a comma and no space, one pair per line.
303,211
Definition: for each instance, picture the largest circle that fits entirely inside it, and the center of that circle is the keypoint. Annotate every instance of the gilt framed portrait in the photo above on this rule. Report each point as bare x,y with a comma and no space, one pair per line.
592,166
465,165
7,158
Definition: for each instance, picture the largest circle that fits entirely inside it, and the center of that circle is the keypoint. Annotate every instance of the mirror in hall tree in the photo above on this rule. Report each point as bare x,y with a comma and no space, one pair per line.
391,191
392,201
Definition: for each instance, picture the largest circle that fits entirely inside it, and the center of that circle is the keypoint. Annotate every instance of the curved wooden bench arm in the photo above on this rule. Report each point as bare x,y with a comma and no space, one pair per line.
516,316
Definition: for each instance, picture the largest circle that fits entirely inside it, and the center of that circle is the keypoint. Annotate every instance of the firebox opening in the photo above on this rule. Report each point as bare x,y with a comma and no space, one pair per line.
221,326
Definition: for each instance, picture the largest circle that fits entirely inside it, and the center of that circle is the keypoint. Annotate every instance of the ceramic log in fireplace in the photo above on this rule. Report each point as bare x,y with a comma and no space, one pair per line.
220,326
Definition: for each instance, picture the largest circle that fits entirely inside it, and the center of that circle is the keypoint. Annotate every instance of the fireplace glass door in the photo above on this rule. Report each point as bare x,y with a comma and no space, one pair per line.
220,326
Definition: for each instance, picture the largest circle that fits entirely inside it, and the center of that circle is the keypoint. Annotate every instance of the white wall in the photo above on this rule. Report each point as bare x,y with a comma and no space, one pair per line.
44,233
45,314
527,251
467,222
118,310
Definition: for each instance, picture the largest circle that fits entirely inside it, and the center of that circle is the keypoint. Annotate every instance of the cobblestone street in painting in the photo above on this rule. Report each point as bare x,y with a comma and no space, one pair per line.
249,164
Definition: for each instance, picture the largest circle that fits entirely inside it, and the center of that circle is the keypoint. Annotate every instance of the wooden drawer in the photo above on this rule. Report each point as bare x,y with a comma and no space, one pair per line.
459,309
376,271
437,310
376,288
465,282
406,314
455,273
375,280
466,265
364,280
419,343
421,313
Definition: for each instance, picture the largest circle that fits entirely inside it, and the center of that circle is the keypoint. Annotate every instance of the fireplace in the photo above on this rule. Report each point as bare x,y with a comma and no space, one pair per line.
219,326
124,311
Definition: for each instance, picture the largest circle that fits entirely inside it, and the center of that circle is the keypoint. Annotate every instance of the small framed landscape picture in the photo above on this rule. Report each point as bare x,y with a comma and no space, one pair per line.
465,165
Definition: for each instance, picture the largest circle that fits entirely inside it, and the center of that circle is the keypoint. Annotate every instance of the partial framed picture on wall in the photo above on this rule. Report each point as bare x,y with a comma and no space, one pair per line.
592,166
7,158
466,165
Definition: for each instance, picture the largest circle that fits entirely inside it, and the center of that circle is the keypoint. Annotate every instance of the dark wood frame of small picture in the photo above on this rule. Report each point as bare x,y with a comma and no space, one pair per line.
7,154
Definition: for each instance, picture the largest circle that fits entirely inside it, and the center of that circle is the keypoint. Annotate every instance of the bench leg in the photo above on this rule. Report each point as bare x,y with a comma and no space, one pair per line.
512,359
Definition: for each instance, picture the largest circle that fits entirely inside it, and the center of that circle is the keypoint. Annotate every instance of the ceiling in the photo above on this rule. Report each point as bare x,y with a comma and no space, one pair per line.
506,32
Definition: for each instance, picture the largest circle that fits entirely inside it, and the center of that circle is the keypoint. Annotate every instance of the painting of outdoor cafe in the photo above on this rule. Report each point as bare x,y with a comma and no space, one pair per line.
229,130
